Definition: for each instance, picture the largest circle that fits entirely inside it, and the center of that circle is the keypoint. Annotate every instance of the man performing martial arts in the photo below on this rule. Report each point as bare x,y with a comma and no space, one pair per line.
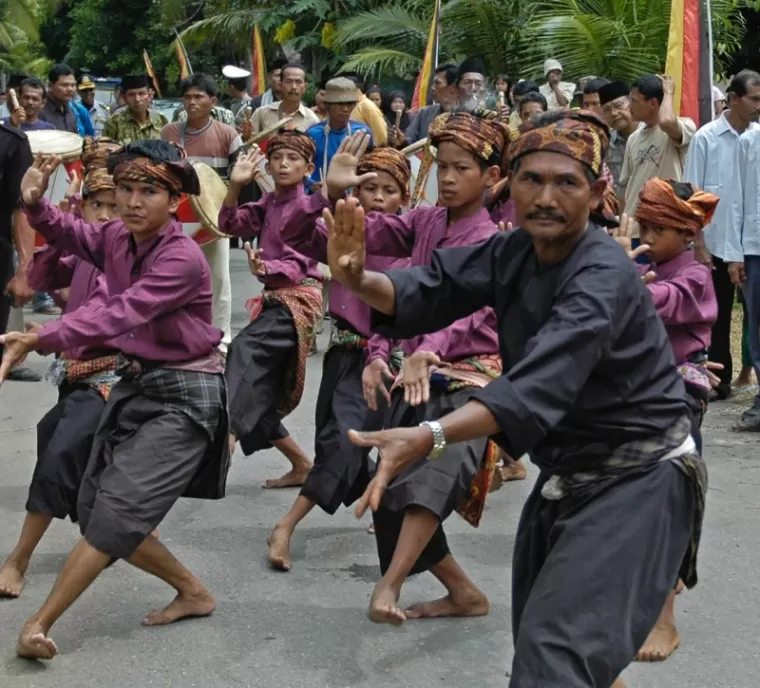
163,433
84,376
266,363
589,388
356,366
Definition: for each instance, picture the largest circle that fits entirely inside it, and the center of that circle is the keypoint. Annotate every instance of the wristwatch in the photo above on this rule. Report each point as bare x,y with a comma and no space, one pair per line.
439,439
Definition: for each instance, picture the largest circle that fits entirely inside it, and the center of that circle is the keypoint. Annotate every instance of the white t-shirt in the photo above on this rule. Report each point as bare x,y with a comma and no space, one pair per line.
649,153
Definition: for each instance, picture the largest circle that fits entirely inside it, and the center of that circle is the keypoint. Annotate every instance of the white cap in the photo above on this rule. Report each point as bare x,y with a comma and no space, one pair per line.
550,65
232,72
717,94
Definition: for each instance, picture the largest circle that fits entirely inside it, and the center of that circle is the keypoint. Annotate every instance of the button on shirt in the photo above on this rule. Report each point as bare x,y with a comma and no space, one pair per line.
743,211
711,165
268,115
62,118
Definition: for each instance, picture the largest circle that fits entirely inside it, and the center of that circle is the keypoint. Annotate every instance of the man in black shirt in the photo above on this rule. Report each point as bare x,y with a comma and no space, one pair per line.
15,159
590,390
61,90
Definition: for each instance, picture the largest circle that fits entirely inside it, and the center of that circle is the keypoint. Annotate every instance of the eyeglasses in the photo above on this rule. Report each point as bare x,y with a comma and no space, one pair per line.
622,103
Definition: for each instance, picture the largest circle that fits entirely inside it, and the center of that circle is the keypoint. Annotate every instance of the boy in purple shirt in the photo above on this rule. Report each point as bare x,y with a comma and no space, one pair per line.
84,377
440,368
357,365
670,215
266,361
163,433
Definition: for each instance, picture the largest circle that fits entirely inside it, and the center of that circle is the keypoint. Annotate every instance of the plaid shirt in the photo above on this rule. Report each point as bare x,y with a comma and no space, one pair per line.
123,127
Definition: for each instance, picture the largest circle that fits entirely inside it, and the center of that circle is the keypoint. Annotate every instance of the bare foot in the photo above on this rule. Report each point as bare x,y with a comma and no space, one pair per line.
290,479
233,442
471,603
279,548
11,580
183,606
383,607
513,470
619,683
497,482
663,640
371,529
34,644
680,587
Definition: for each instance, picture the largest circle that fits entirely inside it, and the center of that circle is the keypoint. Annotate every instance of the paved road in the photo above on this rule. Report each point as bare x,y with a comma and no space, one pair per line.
306,628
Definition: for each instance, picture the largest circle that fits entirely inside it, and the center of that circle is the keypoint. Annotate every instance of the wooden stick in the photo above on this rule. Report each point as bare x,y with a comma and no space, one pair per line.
398,120
13,100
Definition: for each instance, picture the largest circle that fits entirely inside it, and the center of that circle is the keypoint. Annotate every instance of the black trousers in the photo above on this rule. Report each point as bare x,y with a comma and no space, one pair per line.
720,346
591,573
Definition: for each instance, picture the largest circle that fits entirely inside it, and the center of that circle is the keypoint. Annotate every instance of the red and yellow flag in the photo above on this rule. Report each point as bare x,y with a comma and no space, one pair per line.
258,64
689,59
151,72
185,70
422,89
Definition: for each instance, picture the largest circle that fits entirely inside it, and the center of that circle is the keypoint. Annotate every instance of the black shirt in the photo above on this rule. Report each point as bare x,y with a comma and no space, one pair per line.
587,362
62,119
15,159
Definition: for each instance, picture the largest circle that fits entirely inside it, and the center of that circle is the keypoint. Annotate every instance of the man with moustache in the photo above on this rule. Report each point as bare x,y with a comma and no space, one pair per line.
471,83
616,112
444,99
292,88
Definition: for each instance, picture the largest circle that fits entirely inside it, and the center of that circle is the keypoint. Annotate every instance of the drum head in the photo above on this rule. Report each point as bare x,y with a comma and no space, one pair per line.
51,142
208,204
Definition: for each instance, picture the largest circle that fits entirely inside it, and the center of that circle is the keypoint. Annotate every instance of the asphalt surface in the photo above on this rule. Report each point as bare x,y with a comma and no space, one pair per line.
307,628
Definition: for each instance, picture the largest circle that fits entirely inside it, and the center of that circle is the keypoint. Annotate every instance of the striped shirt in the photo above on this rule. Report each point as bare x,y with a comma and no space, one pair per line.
215,144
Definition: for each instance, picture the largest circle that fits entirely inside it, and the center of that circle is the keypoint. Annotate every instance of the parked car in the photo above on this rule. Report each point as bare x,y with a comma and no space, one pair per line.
166,106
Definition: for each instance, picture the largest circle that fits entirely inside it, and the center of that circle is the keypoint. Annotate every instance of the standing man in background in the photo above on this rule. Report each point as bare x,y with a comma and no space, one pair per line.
97,112
57,110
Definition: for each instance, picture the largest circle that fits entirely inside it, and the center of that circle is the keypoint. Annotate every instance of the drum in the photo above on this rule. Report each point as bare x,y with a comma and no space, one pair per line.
199,215
69,147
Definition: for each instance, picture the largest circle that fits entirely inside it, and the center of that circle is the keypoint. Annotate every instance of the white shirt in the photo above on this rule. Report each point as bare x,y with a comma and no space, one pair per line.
743,213
566,88
711,165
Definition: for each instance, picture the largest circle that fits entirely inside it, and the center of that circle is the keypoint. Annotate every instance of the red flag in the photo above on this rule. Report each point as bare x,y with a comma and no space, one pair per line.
185,70
151,72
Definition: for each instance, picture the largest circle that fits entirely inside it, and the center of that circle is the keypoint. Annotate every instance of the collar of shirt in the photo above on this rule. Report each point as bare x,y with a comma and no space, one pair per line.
54,107
152,117
277,107
671,267
144,248
288,195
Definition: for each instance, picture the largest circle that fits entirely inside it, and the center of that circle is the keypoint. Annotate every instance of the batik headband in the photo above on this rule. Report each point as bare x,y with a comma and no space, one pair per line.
388,160
660,205
483,134
292,140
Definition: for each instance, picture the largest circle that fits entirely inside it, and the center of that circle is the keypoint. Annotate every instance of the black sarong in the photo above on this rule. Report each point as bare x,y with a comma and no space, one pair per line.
163,435
591,573
64,441
257,364
439,486
341,470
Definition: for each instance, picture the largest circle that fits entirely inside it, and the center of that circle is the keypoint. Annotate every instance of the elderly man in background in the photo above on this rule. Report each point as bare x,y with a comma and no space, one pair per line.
444,99
292,88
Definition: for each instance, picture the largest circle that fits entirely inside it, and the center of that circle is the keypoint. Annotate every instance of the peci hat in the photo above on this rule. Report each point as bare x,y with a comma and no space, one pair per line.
550,65
472,65
341,90
233,72
613,91
85,83
134,82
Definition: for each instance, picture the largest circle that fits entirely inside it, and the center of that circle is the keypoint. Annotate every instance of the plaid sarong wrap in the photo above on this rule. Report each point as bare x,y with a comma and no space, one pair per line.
476,371
666,446
201,396
304,302
347,338
98,373
396,360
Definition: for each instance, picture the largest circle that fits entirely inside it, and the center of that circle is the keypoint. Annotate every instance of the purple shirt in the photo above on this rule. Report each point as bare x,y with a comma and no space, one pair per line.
265,219
159,303
684,297
416,235
505,212
50,269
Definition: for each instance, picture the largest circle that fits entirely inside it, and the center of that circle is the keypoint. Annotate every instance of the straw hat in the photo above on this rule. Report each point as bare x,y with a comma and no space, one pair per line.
341,90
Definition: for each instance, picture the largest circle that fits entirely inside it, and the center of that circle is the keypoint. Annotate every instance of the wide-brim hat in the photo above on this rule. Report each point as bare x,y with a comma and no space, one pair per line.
341,90
551,65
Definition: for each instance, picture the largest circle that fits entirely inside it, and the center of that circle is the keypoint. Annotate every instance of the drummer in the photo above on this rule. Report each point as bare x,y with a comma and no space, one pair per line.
207,140
292,88
31,99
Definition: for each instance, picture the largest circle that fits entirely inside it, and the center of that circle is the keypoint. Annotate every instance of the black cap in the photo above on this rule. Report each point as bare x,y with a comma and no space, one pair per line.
472,65
613,91
134,81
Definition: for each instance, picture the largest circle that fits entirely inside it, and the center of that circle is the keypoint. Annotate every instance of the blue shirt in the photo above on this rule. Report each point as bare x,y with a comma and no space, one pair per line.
743,230
711,165
84,123
37,126
328,143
